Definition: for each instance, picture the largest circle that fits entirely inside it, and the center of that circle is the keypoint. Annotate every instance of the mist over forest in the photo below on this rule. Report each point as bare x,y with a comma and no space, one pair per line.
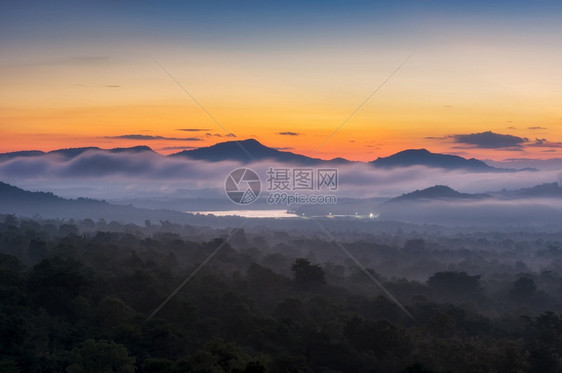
280,186
277,299
125,260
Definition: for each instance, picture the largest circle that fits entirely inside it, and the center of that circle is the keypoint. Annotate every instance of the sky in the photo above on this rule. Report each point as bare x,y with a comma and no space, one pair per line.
476,79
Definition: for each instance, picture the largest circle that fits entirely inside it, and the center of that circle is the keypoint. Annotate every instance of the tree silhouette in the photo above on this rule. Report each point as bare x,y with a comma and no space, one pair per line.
307,275
100,356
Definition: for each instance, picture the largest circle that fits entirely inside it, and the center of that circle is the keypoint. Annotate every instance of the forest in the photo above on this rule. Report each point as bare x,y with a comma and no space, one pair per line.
81,296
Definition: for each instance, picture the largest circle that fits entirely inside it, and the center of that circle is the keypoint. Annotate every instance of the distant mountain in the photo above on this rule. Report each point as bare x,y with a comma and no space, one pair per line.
248,151
252,150
423,157
528,163
437,192
133,149
74,152
444,206
11,194
24,153
14,200
547,190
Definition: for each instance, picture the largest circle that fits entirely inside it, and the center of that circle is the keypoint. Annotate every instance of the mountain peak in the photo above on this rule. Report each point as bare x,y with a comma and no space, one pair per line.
133,149
248,141
437,192
423,157
546,190
248,150
415,151
73,152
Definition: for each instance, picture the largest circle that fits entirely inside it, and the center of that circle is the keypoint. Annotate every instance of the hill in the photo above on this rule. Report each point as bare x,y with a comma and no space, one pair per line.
437,192
246,151
423,157
547,190
14,200
70,153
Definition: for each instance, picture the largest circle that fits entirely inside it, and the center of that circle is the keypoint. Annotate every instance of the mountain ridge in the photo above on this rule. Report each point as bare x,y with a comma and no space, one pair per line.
74,152
251,150
437,192
423,157
246,151
21,202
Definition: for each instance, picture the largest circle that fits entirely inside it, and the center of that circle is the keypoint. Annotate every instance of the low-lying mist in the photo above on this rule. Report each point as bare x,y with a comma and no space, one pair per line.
122,176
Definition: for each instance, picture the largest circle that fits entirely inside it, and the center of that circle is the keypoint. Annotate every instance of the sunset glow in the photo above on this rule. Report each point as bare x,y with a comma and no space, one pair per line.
83,75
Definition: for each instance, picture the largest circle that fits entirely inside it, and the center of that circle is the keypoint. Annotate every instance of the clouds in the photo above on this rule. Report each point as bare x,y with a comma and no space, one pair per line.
151,138
544,143
193,129
102,174
208,134
497,141
489,140
288,133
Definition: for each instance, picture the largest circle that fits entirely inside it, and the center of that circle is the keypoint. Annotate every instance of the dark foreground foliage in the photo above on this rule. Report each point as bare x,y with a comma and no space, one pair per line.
77,300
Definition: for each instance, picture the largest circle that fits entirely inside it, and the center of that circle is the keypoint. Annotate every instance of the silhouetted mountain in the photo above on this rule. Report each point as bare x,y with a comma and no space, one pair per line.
547,190
437,192
445,206
422,157
10,193
248,151
74,152
340,160
528,163
14,200
133,149
251,150
23,153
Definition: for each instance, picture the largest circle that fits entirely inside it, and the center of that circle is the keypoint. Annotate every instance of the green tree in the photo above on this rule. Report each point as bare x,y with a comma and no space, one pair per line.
455,285
307,275
523,288
100,357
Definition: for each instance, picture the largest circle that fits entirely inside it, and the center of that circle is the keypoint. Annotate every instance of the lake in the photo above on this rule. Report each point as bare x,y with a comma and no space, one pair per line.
249,213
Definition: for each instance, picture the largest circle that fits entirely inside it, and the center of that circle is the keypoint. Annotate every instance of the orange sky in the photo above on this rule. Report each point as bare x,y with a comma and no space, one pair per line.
84,91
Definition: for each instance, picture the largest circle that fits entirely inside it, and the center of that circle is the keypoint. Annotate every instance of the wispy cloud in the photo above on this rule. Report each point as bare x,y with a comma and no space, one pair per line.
544,143
194,129
537,128
489,140
150,138
288,133
219,135
124,174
